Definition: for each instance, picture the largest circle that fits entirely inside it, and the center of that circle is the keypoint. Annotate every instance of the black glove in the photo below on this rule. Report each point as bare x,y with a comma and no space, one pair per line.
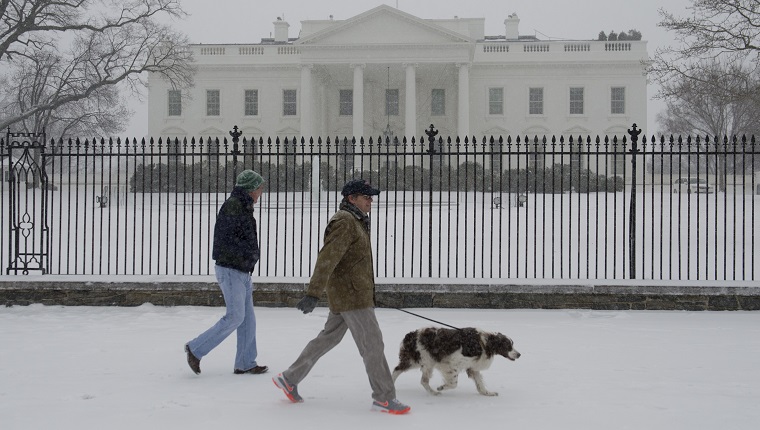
307,304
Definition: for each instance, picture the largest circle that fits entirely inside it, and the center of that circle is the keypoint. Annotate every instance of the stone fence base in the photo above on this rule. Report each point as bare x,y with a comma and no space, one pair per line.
203,291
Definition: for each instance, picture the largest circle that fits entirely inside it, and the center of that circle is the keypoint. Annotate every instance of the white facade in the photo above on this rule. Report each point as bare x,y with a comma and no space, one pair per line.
355,77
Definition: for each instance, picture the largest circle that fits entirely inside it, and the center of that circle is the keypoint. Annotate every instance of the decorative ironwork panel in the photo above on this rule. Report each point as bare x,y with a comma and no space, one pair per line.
28,244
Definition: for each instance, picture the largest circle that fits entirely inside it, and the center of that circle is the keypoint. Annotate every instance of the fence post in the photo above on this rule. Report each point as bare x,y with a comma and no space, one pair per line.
235,133
634,132
431,133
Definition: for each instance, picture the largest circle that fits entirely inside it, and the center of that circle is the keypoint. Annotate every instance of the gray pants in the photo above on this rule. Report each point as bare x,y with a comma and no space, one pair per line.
369,339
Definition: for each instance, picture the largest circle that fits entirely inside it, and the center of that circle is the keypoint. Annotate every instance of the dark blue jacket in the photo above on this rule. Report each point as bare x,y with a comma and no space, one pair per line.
236,244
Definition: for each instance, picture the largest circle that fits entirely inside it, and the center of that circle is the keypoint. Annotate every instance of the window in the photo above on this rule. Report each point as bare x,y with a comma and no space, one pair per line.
346,102
617,101
576,158
536,101
175,102
251,102
618,166
289,102
496,101
391,102
536,157
576,101
212,102
438,102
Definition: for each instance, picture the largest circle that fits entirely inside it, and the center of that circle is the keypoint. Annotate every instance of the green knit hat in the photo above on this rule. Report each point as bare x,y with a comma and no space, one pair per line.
249,180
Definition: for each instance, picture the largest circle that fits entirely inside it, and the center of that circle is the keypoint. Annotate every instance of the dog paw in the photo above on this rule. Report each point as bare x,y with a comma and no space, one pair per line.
490,393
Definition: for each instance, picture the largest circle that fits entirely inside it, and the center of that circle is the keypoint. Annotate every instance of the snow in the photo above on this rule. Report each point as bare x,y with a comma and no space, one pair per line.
124,368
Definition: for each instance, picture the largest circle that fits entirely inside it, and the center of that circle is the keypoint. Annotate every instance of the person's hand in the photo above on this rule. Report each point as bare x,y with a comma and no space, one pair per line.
307,304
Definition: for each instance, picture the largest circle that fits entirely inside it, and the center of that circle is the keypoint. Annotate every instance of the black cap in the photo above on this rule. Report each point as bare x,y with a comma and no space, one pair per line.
359,186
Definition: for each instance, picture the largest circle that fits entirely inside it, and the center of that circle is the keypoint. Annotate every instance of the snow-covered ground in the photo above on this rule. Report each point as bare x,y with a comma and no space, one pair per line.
124,368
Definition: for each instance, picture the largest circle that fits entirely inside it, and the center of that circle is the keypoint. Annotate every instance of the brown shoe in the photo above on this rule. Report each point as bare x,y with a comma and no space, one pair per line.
258,370
193,361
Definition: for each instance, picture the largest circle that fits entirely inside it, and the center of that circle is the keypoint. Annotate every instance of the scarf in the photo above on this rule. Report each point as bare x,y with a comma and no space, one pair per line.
345,205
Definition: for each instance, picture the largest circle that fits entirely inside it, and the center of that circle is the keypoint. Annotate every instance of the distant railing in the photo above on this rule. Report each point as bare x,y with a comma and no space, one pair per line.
496,47
536,47
617,46
533,207
577,47
487,47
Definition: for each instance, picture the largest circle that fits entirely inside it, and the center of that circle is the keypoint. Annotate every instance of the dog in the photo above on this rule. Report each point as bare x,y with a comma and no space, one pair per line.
451,351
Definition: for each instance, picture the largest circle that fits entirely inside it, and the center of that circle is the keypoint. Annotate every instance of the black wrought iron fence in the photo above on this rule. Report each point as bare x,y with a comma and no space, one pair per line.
566,207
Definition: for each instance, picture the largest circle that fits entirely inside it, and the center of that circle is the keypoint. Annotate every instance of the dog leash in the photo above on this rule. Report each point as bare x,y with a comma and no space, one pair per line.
418,316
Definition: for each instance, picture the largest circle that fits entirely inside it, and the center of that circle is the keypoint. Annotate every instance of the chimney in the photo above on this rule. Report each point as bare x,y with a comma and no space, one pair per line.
511,24
281,30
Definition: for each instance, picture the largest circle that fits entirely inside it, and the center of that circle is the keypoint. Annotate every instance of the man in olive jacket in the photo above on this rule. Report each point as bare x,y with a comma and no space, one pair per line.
344,269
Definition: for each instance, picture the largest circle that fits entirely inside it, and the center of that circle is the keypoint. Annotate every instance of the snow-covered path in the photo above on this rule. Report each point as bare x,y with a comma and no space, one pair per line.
124,368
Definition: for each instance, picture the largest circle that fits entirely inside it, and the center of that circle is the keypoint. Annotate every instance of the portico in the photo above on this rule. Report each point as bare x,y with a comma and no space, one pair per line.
387,58
374,88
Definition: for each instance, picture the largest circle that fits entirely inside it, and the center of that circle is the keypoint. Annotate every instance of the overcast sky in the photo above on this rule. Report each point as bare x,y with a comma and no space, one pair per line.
245,21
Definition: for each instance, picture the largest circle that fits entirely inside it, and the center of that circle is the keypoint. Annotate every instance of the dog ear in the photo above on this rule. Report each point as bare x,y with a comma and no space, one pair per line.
497,343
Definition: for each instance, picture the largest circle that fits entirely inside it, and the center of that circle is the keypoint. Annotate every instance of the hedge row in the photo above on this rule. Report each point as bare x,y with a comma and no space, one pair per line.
214,178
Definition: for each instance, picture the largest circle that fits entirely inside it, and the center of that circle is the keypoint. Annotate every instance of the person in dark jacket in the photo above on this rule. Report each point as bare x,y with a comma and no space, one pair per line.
344,270
236,251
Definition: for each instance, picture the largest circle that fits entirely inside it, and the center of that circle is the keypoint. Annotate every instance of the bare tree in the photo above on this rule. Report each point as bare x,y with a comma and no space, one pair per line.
719,117
69,58
711,80
722,31
103,112
718,100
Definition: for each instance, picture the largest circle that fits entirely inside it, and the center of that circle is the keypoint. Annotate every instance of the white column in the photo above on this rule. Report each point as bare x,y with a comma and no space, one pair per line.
358,100
410,119
323,116
307,101
463,118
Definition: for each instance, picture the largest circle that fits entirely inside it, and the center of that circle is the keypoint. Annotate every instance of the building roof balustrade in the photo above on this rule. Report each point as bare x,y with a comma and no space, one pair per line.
491,50
234,54
487,51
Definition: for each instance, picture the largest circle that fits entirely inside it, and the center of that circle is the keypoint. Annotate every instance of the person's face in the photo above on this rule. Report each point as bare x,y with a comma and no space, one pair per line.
361,201
255,194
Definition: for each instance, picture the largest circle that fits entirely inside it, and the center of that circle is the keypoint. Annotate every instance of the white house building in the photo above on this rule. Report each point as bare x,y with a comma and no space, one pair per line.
388,71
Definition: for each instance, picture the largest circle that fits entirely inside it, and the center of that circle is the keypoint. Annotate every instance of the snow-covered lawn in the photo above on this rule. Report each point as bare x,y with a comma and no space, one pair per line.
124,368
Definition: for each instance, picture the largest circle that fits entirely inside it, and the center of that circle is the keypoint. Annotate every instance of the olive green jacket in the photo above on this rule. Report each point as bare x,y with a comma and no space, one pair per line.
344,265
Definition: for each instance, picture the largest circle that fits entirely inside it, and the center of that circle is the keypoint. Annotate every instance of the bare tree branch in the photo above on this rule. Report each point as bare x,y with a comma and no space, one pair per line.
722,31
91,48
696,106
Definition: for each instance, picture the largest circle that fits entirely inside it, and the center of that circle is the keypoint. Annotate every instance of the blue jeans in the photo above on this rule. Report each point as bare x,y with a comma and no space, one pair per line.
237,290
